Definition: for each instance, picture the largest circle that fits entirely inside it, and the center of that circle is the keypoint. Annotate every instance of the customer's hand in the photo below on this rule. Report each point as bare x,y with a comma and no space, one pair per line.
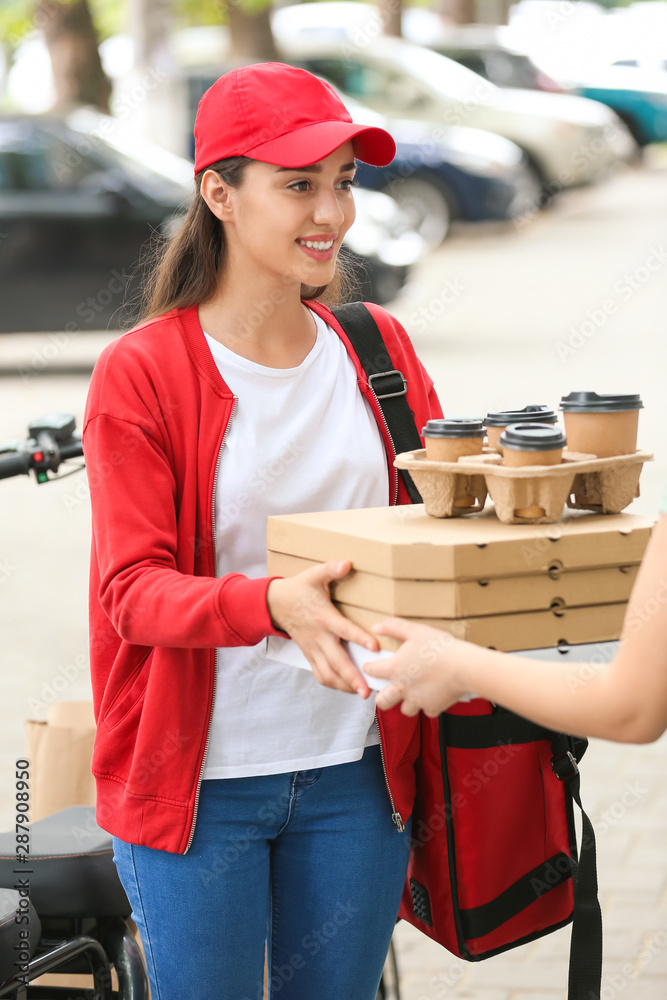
422,670
301,606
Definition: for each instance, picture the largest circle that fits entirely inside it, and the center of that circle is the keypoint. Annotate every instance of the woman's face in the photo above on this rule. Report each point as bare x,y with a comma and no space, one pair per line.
275,214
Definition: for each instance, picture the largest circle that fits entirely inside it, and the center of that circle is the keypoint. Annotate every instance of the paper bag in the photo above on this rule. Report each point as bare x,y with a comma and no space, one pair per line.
60,752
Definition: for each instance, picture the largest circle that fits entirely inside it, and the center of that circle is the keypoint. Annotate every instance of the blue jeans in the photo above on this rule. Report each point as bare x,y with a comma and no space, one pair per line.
308,863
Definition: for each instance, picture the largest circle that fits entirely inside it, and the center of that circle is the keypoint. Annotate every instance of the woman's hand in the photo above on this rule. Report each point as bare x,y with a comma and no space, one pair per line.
301,606
421,671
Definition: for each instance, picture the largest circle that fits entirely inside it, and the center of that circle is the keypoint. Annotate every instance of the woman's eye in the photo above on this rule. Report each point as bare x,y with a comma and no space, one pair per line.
347,184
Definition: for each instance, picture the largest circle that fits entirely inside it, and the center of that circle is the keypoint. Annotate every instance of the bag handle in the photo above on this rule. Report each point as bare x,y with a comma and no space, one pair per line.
388,385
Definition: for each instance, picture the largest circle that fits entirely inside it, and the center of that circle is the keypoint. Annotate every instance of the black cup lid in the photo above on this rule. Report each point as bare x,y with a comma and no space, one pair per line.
591,402
455,427
532,437
535,411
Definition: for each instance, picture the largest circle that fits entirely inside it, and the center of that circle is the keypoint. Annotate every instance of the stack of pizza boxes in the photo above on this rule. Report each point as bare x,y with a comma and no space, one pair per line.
505,586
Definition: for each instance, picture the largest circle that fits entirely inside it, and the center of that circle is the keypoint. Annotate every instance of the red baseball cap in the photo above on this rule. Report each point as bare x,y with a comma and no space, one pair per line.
279,114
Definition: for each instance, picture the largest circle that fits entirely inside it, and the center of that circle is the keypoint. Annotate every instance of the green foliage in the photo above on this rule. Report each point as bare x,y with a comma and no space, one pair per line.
19,18
109,17
16,21
193,13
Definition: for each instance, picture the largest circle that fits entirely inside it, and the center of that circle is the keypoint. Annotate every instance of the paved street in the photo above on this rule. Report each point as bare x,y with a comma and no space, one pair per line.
575,299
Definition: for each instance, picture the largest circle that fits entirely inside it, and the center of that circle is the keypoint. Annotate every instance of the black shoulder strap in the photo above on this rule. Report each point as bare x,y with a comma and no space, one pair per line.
388,385
585,977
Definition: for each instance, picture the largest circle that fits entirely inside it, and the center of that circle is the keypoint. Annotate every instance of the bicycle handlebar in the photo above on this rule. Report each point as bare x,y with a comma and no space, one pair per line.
15,465
50,442
71,449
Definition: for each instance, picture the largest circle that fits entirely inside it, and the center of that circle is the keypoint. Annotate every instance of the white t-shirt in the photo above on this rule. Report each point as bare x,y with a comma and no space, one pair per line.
301,439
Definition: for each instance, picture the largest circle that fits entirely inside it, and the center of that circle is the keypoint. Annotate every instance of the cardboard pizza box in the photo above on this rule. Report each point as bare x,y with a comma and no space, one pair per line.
468,598
527,630
404,543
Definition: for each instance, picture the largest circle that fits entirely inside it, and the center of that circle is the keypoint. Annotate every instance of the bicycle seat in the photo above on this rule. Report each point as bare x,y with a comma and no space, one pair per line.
13,943
70,866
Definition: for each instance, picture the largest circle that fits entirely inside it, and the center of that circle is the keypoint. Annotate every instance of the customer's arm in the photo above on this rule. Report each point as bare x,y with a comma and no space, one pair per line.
624,700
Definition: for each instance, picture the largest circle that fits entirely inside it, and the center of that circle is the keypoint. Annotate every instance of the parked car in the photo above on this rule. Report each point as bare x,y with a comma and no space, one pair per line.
450,174
580,44
479,47
567,139
75,209
79,200
638,96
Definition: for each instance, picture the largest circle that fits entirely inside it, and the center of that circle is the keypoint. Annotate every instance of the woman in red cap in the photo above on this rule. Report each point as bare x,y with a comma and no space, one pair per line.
253,804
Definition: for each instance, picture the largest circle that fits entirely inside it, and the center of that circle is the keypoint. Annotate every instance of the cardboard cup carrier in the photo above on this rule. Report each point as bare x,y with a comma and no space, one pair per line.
534,483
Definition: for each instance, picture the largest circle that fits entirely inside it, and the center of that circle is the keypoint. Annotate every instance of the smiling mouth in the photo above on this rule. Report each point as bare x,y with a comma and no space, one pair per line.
317,245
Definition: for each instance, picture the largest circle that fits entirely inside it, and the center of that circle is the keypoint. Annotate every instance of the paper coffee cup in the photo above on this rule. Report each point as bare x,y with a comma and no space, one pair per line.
602,425
497,421
452,438
532,444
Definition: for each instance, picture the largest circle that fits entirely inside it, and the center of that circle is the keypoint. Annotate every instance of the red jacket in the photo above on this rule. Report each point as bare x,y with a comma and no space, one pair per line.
156,415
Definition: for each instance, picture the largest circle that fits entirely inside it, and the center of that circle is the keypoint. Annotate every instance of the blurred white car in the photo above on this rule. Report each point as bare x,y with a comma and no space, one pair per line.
568,140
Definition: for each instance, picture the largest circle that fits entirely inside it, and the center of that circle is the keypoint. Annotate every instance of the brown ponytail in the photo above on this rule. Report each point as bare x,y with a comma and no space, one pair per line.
184,269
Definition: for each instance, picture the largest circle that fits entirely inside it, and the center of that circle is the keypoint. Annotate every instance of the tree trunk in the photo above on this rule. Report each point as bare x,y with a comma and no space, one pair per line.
504,11
390,12
72,43
251,35
461,11
152,98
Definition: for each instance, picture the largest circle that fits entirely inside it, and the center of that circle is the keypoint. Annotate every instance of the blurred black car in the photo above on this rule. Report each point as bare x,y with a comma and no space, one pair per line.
75,210
78,202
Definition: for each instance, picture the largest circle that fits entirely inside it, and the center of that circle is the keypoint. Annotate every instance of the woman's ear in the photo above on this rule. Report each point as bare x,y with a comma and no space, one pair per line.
217,194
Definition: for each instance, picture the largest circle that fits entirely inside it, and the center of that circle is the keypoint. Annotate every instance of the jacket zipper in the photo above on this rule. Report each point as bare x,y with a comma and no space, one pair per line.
215,659
386,427
395,815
